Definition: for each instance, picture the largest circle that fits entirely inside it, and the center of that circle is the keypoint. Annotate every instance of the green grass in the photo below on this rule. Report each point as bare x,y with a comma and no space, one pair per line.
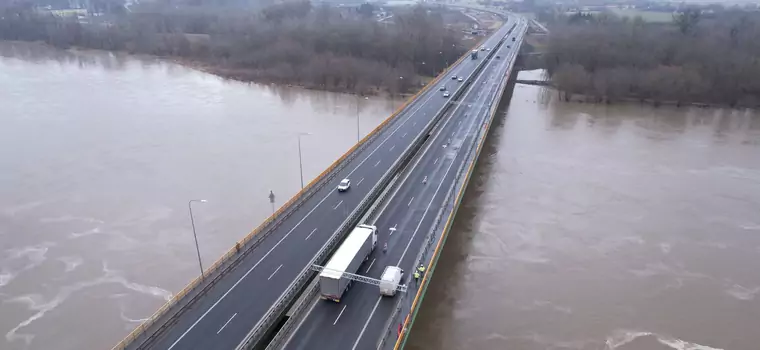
648,16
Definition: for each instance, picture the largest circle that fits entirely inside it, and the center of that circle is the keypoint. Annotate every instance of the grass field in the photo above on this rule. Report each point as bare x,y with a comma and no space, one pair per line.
649,16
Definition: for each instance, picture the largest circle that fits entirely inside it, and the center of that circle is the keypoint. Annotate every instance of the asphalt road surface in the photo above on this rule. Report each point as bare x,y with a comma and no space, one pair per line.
359,320
235,304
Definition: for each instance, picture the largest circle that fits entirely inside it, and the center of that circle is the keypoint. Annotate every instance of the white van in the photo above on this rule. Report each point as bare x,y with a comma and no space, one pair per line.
390,280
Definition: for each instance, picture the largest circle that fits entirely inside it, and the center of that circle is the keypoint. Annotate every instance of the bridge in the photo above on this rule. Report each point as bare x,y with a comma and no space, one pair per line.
408,177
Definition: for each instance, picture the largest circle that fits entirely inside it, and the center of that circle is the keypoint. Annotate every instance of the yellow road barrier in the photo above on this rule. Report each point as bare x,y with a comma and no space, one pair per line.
234,250
401,340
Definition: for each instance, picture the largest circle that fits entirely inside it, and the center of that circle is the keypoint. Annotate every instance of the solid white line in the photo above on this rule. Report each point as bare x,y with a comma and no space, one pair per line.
366,324
243,277
228,322
436,161
360,182
376,164
312,232
410,202
275,271
341,313
337,205
419,106
370,266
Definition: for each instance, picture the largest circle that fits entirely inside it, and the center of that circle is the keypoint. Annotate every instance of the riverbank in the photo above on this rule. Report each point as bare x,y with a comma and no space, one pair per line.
317,47
699,59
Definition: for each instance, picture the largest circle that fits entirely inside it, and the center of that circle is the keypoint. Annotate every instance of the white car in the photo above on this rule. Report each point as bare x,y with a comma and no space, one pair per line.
460,80
443,88
453,77
446,94
344,185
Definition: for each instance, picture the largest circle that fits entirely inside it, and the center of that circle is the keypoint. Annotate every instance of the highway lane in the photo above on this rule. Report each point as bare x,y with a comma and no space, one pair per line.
236,303
360,318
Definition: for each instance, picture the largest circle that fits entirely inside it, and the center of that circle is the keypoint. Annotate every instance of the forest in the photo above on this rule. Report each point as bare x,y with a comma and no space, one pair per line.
696,59
315,46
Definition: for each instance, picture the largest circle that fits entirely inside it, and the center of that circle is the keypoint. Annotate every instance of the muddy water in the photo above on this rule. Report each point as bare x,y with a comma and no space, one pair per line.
99,155
604,227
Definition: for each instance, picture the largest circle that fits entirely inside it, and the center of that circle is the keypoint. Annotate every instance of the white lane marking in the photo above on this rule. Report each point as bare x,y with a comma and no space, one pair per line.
337,205
436,161
419,106
376,164
244,276
275,271
366,323
392,147
392,229
410,202
312,232
404,135
414,124
341,313
370,265
226,323
360,182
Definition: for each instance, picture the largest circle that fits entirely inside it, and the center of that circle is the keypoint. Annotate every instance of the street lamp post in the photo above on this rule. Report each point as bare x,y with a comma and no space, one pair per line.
192,222
300,159
358,133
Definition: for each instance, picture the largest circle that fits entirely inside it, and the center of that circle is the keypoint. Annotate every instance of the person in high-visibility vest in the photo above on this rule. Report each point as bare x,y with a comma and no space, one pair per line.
421,269
416,276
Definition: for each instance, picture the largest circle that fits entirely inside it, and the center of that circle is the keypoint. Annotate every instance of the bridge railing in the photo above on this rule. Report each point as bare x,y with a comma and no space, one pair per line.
297,287
165,316
452,203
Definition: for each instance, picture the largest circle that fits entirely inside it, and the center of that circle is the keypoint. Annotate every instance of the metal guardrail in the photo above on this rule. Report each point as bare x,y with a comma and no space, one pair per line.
278,307
172,309
453,202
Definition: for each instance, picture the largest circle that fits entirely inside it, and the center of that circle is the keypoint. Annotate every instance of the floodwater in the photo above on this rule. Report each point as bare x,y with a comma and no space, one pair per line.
99,155
604,227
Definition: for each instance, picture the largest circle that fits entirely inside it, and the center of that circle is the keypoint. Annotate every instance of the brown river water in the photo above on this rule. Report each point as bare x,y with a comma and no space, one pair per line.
586,227
604,227
99,155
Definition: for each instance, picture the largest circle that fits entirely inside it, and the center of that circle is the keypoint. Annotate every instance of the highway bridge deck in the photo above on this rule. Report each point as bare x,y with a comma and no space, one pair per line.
232,306
361,319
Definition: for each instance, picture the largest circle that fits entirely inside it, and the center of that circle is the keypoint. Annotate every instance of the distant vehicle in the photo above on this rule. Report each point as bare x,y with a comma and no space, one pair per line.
347,259
344,185
509,47
498,57
483,48
453,77
446,94
443,88
390,280
513,38
474,54
488,49
460,80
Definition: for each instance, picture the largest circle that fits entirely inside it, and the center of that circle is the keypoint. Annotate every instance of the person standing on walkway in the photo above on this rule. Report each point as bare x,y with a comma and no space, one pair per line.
421,269
416,276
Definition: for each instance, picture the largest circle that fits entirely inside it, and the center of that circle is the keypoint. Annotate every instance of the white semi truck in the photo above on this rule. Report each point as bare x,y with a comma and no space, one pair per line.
354,250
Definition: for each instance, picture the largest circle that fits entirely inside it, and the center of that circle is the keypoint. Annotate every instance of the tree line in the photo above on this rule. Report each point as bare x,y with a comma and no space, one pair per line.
340,49
694,59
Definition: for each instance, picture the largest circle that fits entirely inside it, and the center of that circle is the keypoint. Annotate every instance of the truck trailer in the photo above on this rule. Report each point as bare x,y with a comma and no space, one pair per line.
474,54
354,250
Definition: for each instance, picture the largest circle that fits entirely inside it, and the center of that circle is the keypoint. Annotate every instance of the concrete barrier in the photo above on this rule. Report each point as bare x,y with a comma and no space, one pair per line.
305,275
249,242
409,320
